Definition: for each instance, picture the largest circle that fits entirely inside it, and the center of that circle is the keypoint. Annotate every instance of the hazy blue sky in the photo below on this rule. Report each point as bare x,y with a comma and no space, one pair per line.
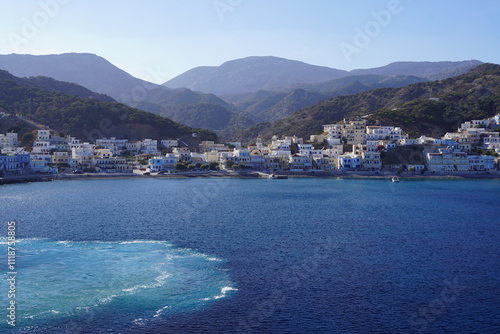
169,37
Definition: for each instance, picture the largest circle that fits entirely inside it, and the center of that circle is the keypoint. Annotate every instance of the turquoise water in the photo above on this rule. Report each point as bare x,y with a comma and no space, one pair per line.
144,279
245,255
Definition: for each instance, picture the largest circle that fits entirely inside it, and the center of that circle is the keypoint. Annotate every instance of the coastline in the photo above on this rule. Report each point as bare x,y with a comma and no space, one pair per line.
252,174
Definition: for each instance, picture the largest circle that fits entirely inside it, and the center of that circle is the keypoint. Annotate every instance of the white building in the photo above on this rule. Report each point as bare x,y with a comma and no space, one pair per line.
162,164
182,153
349,162
474,124
8,141
371,161
481,162
41,157
491,141
14,164
447,160
134,146
150,146
41,147
60,158
169,143
116,146
43,135
82,154
385,133
241,156
105,161
300,163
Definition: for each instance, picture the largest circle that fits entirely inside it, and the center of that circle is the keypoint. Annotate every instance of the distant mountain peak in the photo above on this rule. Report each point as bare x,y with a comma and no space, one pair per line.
86,69
252,74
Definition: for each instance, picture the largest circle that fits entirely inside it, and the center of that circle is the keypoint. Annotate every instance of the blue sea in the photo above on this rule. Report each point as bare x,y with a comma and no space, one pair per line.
303,255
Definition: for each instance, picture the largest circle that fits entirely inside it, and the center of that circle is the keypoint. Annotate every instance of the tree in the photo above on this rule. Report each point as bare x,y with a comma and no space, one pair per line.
180,166
229,164
213,165
191,166
242,166
205,166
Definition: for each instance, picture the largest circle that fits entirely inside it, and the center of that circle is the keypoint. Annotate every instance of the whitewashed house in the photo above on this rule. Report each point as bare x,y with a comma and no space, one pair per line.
150,146
481,162
447,160
105,161
349,162
371,161
162,164
116,146
299,163
169,143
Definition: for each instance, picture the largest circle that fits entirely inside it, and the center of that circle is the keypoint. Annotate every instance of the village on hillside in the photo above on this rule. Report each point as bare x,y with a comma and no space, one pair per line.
350,145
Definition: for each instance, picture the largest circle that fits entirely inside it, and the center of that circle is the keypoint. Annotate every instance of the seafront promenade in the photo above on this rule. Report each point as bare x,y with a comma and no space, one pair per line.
250,174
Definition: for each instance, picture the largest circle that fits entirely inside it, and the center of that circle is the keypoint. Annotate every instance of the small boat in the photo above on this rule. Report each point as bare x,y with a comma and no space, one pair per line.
273,176
395,179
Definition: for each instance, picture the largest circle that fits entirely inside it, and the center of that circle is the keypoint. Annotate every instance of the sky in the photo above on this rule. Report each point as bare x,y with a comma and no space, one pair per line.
157,40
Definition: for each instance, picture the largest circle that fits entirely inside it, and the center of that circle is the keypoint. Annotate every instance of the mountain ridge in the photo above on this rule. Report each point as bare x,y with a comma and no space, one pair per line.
256,73
427,108
87,118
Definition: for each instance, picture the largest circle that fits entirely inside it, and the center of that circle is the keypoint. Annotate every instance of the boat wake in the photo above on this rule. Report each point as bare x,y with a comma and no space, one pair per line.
141,279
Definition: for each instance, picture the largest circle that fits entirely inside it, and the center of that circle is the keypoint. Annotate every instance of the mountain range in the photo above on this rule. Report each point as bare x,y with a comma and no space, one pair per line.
228,98
426,108
252,74
73,110
271,73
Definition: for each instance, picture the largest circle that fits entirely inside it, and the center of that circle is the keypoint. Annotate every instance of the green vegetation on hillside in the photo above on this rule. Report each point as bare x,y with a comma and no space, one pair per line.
85,118
210,116
427,108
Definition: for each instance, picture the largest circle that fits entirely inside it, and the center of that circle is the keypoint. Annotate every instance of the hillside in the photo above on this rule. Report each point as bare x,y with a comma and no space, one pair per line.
53,85
160,100
252,74
209,116
98,75
474,95
268,106
88,70
86,118
424,69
